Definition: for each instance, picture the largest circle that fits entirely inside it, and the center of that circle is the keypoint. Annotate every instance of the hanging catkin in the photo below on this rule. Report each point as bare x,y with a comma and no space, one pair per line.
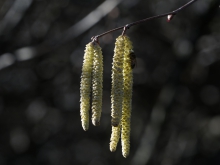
117,82
127,98
85,86
97,79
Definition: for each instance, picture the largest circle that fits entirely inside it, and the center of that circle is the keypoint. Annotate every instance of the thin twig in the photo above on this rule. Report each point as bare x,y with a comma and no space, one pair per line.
127,26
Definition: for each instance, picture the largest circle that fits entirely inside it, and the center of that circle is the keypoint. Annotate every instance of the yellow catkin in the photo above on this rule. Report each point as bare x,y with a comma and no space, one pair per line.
85,86
97,79
115,136
127,98
117,82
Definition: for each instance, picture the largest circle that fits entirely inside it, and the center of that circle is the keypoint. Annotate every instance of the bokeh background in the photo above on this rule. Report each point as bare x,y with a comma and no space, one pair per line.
176,96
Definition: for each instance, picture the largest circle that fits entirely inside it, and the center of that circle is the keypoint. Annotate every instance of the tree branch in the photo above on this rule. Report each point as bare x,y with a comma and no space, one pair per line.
127,26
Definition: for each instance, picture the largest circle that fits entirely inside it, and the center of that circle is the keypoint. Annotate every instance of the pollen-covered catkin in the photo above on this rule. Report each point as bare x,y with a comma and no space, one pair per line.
127,98
97,79
115,136
85,86
117,82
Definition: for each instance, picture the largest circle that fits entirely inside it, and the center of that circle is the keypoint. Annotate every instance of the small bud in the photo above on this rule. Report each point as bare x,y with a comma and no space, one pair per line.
170,17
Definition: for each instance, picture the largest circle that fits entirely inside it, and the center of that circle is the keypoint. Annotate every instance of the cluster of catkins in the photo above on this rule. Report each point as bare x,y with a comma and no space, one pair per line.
121,92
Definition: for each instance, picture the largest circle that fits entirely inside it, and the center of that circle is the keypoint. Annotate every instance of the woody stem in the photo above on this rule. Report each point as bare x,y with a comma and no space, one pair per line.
127,26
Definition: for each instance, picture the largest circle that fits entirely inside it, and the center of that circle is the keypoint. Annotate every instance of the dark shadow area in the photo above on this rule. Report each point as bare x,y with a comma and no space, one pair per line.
176,94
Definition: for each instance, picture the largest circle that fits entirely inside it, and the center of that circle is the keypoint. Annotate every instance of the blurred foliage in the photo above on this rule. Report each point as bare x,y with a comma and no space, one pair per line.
176,97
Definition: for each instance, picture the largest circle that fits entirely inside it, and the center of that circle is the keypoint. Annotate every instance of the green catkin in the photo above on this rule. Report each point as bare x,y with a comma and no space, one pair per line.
117,82
127,98
85,86
121,94
115,136
97,85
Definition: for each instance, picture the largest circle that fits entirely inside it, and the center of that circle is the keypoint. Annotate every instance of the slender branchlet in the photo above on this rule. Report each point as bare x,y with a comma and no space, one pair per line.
127,98
97,79
117,82
127,26
85,86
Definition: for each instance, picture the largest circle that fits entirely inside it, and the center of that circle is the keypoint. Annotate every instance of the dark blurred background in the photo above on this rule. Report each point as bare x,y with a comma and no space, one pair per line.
176,95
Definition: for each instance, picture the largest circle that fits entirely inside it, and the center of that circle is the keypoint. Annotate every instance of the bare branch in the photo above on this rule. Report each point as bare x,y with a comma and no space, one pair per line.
126,27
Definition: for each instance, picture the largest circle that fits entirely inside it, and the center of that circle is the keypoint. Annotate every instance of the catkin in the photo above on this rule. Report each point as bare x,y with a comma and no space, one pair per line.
85,86
127,98
117,82
97,79
121,93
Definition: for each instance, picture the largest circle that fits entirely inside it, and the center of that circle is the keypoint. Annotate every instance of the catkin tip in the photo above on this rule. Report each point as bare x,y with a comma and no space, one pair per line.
95,122
125,155
115,136
85,127
112,149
